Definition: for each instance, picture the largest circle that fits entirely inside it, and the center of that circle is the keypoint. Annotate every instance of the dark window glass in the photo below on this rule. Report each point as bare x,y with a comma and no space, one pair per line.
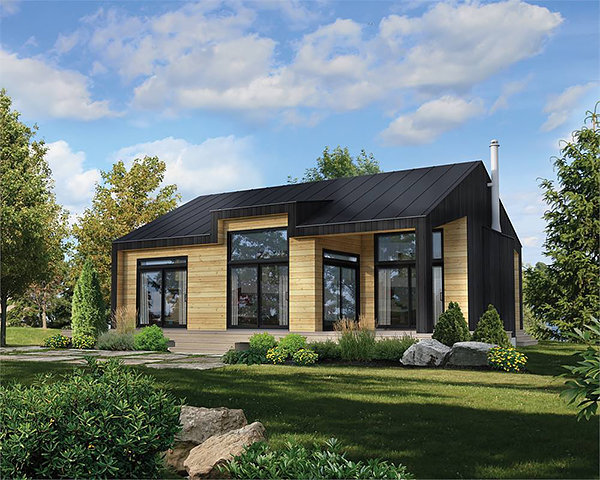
397,297
274,295
348,293
244,296
162,261
437,245
175,289
341,256
397,246
261,245
150,300
331,293
340,289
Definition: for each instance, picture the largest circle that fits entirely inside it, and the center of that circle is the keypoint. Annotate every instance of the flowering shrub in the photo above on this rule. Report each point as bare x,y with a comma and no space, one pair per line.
292,342
57,341
507,359
83,341
305,357
277,355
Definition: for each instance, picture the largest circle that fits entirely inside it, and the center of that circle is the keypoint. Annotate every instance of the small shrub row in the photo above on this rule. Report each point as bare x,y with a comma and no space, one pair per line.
356,340
265,349
507,359
57,341
83,341
151,338
392,349
116,340
259,460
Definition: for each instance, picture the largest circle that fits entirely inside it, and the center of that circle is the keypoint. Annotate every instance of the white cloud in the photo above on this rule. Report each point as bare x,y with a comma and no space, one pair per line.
430,120
508,90
41,89
560,107
30,42
66,43
531,242
8,7
215,165
74,185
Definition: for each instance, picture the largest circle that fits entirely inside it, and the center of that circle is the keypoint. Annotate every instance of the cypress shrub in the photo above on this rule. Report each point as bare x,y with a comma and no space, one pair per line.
451,326
88,316
490,329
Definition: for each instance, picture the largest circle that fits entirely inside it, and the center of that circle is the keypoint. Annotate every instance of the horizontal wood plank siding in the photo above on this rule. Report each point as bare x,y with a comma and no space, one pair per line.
456,265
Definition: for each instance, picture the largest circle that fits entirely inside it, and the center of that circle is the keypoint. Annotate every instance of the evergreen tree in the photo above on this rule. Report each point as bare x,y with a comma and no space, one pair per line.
452,327
88,309
490,329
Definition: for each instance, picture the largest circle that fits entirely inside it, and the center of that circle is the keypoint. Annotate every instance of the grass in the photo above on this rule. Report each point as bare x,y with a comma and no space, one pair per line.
25,336
440,423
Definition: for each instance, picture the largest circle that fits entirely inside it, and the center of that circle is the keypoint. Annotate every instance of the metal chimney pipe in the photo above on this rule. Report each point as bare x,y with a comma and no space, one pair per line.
494,145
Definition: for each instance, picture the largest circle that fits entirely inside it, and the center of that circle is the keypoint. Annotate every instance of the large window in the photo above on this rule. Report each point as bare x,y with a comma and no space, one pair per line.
438,275
340,287
162,292
258,279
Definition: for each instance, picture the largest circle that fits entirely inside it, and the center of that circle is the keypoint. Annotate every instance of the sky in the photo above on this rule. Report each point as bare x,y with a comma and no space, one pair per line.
235,95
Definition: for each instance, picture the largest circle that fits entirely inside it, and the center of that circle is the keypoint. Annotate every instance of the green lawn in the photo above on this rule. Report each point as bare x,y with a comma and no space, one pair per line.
22,336
440,423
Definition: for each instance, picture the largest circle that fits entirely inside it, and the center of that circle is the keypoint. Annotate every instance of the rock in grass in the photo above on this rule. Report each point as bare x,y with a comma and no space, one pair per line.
425,353
469,354
203,459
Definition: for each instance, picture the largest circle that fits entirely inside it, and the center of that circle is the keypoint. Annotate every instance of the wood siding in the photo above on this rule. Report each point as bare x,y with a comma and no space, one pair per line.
517,274
456,265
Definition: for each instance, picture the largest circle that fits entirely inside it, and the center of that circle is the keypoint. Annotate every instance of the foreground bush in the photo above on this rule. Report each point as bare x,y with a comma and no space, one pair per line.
83,341
356,340
327,350
316,462
392,349
507,359
292,342
115,340
57,341
262,342
230,357
105,421
88,314
451,327
151,338
305,357
490,329
277,355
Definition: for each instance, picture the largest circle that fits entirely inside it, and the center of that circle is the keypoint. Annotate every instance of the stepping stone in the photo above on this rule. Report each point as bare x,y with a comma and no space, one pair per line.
187,366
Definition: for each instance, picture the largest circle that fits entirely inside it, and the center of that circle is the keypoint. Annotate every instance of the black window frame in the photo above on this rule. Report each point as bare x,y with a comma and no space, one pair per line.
340,263
161,268
256,263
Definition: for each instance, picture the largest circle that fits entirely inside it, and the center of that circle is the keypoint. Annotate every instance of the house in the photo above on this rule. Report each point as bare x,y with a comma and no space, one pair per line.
392,248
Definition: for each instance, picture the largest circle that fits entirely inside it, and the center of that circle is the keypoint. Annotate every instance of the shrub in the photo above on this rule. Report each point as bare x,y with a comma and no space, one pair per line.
292,342
490,329
392,349
356,340
451,326
305,357
105,421
57,341
327,350
277,355
262,342
259,460
123,320
251,357
151,338
82,341
88,312
116,340
230,357
507,359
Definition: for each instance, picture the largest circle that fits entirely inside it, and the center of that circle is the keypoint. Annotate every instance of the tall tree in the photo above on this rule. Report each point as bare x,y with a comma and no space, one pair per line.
338,163
571,282
123,201
29,232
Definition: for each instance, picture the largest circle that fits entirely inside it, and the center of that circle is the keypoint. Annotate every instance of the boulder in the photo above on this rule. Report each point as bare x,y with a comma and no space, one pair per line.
203,459
200,423
468,354
177,455
425,353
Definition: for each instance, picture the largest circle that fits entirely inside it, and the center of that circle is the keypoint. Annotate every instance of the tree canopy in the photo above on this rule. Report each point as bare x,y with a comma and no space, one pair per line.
338,163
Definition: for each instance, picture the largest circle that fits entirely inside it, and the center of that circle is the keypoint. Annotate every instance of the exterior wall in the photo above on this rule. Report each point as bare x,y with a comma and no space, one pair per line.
456,269
303,284
517,273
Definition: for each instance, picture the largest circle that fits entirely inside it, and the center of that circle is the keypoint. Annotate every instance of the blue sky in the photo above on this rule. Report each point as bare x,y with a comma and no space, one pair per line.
236,95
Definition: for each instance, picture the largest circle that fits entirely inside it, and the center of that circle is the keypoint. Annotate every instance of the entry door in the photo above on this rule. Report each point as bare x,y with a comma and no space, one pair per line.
438,292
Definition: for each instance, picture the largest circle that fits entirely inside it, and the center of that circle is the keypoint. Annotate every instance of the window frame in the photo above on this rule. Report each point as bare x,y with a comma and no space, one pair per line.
339,263
257,263
161,268
439,262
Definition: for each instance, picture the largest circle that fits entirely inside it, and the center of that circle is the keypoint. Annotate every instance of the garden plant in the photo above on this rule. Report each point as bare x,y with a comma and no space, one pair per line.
451,327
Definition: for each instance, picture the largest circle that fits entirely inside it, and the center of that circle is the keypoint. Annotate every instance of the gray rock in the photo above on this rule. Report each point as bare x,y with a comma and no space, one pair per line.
468,354
177,455
203,460
425,353
200,423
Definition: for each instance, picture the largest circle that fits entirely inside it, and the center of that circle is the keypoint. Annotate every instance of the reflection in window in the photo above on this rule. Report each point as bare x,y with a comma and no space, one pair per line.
274,295
397,297
261,245
150,298
340,288
244,296
437,245
396,246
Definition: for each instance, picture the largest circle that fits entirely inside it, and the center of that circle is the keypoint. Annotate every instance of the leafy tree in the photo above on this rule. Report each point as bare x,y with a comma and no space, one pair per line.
123,201
535,298
490,329
32,226
566,293
339,164
88,314
452,327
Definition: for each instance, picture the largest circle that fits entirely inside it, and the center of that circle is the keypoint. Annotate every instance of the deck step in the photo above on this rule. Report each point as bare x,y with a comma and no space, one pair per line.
524,339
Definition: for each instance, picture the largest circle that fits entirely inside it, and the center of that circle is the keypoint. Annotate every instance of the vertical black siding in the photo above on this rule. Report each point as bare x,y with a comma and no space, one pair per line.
424,276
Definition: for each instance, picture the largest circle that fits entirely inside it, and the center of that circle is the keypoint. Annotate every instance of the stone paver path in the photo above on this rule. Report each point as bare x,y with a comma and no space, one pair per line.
76,357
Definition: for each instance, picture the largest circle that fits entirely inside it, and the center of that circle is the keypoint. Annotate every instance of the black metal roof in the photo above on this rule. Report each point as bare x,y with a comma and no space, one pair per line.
382,196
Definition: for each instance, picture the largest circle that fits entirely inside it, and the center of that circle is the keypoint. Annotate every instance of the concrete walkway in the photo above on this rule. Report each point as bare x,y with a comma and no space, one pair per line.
76,357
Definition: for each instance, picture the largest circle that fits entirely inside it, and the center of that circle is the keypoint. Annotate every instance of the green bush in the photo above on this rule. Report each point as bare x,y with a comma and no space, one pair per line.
259,460
490,329
292,342
277,355
392,349
115,340
251,357
151,338
327,350
230,357
507,359
57,341
262,342
357,341
88,315
82,341
305,357
104,421
451,326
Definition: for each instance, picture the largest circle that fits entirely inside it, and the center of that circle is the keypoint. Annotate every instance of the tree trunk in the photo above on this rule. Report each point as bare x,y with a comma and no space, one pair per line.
44,322
3,305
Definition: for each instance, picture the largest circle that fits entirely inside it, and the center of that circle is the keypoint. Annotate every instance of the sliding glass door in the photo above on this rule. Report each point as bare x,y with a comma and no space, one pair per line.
340,288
